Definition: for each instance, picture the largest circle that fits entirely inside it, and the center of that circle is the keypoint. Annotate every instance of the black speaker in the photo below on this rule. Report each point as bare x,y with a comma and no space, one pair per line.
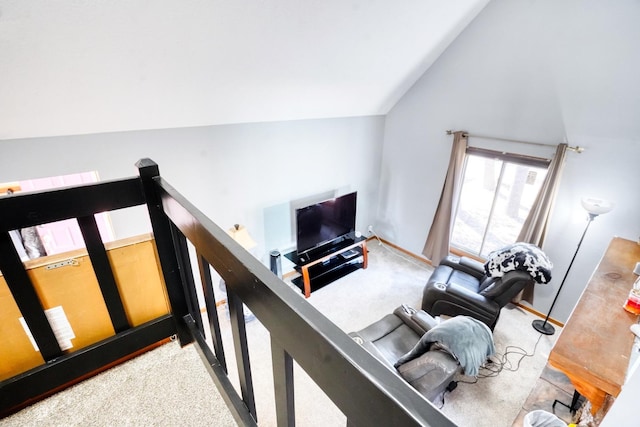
276,263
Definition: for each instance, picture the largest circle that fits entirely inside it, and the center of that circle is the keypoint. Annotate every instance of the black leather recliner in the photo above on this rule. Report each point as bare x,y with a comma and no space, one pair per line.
460,286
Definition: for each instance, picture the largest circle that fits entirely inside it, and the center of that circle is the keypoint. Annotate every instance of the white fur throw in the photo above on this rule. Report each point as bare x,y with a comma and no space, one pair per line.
520,256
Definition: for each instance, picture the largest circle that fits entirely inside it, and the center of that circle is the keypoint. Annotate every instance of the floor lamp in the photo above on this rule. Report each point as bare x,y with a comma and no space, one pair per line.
594,207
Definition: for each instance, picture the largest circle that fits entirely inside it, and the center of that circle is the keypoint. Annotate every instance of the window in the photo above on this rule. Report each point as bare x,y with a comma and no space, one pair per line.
55,237
498,190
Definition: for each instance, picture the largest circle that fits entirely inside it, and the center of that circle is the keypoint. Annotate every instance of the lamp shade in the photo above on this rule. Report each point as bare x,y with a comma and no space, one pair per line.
596,206
240,234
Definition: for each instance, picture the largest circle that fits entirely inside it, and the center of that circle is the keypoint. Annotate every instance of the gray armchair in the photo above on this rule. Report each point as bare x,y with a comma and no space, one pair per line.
460,286
425,352
397,334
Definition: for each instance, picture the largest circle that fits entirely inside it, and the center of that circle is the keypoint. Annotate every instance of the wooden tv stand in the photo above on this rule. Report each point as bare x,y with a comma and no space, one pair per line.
330,266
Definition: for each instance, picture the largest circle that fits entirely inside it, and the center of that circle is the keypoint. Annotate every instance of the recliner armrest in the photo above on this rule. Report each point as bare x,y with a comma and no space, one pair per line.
465,264
418,320
474,300
508,286
379,329
424,319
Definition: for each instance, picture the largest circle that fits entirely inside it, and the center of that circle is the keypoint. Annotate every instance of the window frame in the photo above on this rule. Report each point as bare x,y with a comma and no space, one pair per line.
505,157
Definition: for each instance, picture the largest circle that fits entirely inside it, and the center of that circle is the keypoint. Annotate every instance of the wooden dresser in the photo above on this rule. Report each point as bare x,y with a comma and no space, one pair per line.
594,346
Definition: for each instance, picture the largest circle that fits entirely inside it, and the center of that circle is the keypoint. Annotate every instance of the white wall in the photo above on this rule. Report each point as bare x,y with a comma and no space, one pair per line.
233,173
541,71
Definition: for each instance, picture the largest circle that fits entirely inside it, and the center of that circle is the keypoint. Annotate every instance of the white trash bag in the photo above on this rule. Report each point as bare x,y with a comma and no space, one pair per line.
540,418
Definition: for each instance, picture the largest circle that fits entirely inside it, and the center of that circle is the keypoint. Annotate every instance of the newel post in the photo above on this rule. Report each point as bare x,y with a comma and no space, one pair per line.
149,173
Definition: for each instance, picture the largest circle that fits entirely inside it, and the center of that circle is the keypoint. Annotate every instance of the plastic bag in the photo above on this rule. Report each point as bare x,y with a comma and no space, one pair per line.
540,418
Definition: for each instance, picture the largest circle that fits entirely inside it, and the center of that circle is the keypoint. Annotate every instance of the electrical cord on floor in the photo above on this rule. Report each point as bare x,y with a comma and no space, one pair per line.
493,367
506,364
503,363
452,386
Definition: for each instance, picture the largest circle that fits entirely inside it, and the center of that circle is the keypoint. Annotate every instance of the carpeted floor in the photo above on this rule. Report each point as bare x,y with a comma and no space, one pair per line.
170,386
141,392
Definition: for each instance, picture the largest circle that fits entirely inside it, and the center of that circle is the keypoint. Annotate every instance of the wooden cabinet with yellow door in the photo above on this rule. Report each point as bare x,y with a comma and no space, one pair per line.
68,289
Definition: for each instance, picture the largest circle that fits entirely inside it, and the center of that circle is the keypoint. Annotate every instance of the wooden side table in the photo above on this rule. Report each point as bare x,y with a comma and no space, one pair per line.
594,346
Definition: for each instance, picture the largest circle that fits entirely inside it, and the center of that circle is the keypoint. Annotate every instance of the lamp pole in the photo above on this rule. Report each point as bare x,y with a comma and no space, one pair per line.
542,326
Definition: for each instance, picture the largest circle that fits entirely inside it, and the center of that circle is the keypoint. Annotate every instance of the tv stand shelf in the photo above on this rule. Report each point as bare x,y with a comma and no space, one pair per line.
331,265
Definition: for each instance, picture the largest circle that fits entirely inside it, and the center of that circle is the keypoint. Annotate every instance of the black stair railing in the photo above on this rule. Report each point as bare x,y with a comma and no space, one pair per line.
366,391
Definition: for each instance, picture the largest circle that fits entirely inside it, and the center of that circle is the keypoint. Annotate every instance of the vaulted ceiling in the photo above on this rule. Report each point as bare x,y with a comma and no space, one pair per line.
79,67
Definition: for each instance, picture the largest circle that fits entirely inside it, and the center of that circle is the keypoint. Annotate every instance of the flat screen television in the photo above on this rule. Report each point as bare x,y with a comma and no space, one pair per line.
321,223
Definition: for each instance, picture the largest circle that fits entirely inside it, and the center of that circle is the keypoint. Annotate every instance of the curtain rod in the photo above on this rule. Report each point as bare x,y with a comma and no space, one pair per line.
577,148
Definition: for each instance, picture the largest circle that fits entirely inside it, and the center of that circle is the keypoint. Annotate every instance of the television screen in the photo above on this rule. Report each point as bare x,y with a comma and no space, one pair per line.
323,222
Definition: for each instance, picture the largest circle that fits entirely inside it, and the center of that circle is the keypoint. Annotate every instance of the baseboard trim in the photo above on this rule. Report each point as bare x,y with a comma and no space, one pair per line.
404,251
541,315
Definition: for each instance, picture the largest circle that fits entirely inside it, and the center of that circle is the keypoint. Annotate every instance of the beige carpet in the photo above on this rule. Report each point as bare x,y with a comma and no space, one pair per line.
141,392
169,386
